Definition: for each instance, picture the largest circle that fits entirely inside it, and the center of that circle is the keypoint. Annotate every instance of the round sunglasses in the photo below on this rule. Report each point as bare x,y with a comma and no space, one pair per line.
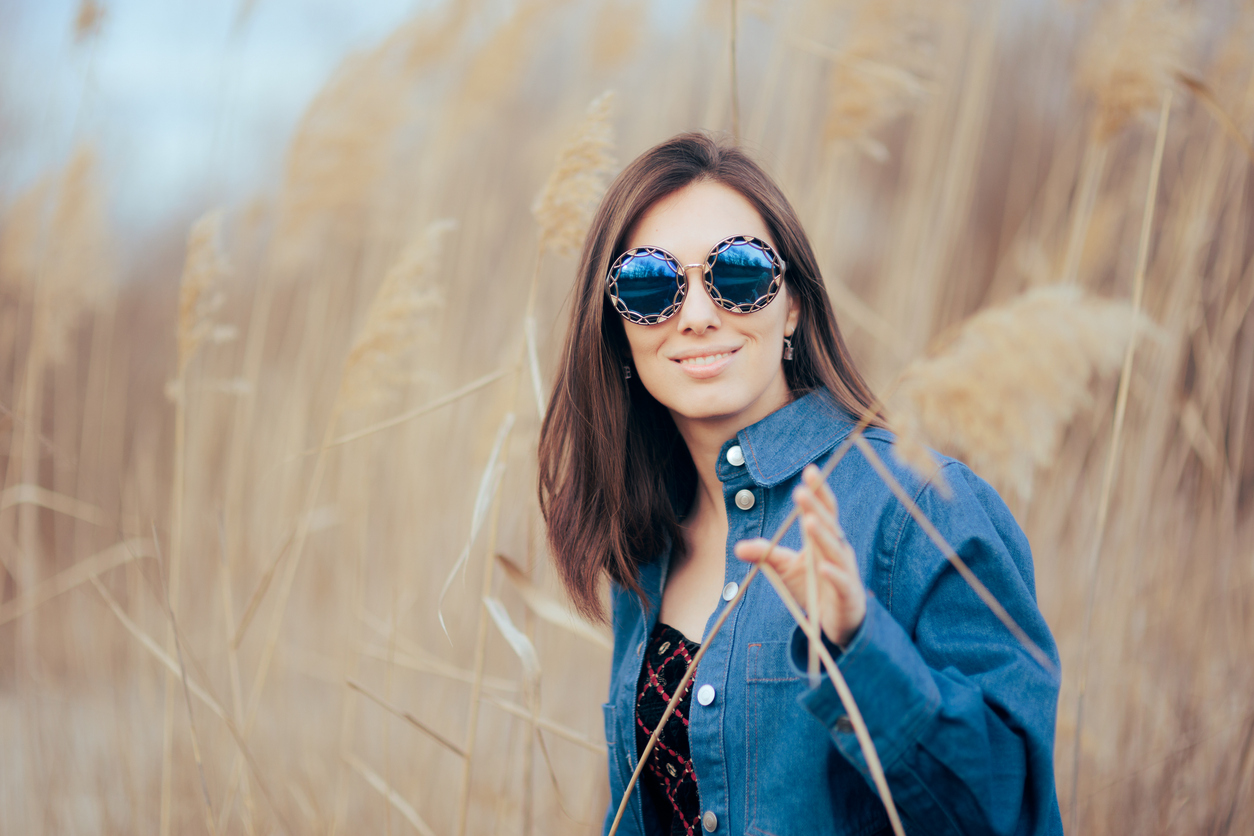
647,284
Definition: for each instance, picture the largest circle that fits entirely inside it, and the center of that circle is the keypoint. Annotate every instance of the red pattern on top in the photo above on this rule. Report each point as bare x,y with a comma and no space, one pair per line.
669,776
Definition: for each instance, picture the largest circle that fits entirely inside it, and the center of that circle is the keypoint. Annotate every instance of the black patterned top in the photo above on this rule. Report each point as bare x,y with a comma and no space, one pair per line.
668,776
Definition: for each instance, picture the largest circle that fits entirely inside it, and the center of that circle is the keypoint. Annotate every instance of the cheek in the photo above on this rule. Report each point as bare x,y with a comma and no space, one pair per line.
644,341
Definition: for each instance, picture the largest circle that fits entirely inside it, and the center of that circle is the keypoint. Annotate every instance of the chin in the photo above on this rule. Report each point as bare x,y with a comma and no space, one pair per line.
709,400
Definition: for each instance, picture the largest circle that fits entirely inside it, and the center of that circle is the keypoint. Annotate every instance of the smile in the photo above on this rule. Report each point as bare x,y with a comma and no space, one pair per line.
705,360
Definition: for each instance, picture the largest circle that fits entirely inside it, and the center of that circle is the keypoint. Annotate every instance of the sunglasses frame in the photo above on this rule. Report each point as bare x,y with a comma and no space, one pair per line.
707,277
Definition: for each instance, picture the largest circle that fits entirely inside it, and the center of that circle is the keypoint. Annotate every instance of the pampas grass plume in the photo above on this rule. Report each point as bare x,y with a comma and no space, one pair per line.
882,71
399,317
22,237
565,205
78,258
998,392
1135,51
199,296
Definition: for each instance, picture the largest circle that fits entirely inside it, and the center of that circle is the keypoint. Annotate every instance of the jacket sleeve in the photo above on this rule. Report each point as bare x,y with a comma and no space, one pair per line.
961,714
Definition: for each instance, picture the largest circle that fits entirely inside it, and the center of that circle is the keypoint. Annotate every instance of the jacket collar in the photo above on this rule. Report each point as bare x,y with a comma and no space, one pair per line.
780,445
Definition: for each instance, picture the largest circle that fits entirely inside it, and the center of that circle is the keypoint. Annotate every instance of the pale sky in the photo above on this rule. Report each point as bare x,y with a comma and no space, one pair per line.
164,76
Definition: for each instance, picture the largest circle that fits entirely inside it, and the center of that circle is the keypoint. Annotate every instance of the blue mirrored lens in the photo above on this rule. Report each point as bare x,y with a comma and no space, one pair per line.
742,274
647,284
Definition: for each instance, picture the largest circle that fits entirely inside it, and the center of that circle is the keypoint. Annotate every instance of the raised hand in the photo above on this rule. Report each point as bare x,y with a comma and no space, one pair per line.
841,595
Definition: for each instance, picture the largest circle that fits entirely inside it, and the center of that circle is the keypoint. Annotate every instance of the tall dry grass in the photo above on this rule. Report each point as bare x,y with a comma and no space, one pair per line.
235,610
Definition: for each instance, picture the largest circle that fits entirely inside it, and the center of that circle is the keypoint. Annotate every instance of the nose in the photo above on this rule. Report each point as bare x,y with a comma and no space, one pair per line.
698,311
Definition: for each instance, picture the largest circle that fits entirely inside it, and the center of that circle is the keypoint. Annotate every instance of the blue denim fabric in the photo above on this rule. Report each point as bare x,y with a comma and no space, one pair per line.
961,715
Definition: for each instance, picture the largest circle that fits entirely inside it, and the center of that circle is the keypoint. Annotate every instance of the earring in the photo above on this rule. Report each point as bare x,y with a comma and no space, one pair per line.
787,348
626,372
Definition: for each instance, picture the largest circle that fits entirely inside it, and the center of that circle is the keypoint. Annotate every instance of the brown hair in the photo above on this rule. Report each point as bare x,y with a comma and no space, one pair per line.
615,475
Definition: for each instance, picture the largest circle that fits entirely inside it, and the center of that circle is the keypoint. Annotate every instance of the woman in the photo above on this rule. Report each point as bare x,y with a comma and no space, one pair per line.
703,382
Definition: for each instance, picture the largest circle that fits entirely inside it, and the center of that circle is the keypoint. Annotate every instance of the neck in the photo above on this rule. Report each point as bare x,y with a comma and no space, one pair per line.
704,437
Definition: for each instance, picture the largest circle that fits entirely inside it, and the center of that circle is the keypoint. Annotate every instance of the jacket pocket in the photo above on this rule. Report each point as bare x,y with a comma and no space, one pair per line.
620,769
796,781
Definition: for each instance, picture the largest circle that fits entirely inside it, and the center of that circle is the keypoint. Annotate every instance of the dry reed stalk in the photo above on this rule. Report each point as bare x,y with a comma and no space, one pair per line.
349,663
101,379
561,209
66,253
452,397
340,145
232,651
210,823
366,376
489,483
525,650
812,608
149,644
533,365
558,729
199,300
998,390
422,664
81,572
1199,88
78,259
1134,50
1108,475
549,609
394,798
53,501
408,718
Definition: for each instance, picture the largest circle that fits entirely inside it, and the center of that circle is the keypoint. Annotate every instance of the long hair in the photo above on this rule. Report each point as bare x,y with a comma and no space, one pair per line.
615,476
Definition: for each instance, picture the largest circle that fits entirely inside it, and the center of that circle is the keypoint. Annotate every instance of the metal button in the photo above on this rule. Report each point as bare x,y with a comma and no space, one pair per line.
844,724
735,456
729,591
709,821
745,499
705,694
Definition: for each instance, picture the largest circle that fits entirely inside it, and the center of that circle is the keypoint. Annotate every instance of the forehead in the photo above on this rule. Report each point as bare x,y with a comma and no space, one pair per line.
689,222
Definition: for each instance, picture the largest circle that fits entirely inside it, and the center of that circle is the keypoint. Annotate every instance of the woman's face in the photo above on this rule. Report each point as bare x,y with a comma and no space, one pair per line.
706,363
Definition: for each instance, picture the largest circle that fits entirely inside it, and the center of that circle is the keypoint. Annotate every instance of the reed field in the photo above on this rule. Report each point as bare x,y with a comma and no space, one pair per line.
271,558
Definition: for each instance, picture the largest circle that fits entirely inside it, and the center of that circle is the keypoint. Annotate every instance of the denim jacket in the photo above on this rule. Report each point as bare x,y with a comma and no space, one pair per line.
961,715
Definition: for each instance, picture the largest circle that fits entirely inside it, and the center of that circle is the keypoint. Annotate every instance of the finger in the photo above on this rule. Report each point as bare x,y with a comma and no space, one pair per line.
835,550
807,501
823,535
842,580
813,478
752,551
812,509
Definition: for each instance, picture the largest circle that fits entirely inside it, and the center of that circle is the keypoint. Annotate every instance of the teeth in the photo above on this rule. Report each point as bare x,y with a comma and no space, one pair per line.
704,361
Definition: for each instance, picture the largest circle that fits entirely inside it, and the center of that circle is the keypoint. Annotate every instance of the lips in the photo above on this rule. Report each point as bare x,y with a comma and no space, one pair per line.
702,363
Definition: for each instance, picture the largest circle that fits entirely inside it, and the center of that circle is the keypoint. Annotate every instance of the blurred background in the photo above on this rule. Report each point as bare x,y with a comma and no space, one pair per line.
283,284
